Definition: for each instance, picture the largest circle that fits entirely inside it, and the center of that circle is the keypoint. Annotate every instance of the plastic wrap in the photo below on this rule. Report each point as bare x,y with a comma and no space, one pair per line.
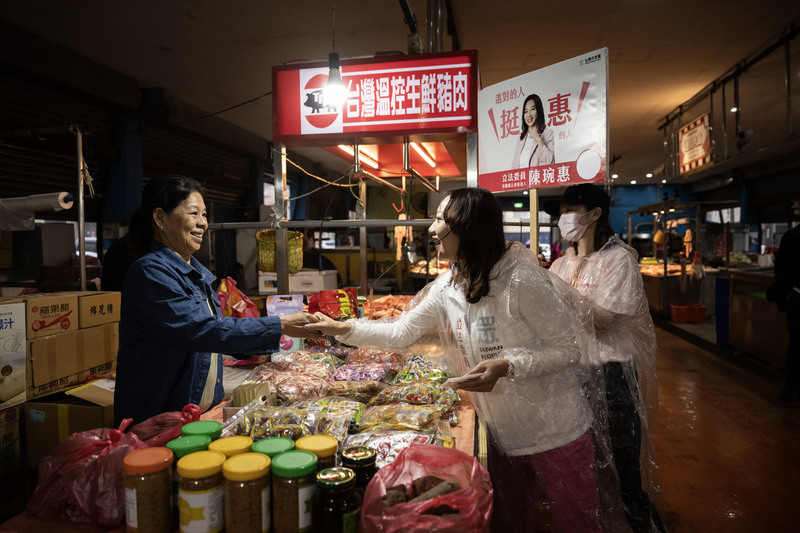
377,355
364,372
624,365
544,329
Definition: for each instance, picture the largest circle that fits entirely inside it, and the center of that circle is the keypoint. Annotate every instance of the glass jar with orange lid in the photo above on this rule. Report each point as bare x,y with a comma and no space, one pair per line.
148,490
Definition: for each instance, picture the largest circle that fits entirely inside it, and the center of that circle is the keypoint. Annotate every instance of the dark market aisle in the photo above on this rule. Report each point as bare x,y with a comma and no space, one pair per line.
727,448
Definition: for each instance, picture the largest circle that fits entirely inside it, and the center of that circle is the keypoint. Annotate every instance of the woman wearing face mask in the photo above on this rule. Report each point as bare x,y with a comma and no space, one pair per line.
512,327
605,271
535,145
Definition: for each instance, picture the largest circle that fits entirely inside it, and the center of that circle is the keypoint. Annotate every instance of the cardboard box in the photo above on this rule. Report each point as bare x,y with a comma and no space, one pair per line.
50,421
12,352
98,308
13,479
57,362
49,313
305,281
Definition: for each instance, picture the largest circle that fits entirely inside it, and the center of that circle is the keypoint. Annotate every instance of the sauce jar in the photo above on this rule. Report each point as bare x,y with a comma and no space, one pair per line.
180,447
201,495
212,428
336,506
292,489
362,460
272,446
247,493
323,446
231,446
148,490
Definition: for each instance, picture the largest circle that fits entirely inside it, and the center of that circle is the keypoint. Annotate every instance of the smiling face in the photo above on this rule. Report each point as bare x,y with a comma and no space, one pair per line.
446,240
182,230
529,114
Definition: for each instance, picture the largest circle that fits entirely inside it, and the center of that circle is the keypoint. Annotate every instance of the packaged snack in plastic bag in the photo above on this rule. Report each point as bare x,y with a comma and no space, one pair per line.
364,372
388,444
377,355
360,391
334,405
400,417
468,508
337,304
417,393
419,368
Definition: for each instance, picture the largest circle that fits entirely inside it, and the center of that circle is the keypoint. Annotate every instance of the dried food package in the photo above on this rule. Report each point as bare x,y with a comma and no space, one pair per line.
360,391
372,354
400,417
364,372
388,444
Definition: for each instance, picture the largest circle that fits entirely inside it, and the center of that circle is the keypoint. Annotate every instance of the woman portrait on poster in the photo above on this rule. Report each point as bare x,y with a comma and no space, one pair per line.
535,145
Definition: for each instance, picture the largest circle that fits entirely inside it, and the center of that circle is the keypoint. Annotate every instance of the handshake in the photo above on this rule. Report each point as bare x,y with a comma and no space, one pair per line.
312,326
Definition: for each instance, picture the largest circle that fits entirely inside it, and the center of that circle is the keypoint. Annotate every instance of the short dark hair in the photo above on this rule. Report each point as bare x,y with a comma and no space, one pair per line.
475,216
539,115
166,192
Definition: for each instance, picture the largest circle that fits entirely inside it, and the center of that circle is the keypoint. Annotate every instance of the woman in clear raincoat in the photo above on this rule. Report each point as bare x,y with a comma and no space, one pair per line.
518,335
605,271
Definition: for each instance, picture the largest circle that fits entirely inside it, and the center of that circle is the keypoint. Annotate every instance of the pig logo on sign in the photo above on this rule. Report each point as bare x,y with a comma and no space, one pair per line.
316,101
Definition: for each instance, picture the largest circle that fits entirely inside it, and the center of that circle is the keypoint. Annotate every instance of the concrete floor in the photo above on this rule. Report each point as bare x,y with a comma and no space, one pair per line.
728,450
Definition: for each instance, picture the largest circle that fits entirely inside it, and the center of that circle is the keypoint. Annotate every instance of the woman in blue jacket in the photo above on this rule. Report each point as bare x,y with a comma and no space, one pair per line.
171,330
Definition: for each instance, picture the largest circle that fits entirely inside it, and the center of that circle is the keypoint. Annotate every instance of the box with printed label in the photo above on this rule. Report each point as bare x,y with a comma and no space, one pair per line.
97,308
49,313
12,352
56,362
51,420
304,281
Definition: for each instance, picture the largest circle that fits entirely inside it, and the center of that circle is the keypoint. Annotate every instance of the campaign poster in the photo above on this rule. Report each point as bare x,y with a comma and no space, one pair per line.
546,128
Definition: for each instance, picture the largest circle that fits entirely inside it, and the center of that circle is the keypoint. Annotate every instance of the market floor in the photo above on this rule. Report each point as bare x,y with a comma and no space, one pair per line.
728,450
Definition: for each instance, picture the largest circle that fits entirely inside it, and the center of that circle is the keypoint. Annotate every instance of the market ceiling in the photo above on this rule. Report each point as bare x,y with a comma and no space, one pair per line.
215,55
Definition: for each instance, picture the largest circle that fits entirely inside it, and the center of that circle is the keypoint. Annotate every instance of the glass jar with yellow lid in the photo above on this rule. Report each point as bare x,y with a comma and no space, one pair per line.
247,493
323,446
201,496
231,446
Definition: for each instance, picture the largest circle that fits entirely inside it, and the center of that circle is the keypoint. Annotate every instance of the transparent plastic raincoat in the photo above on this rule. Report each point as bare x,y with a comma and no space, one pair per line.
545,330
625,362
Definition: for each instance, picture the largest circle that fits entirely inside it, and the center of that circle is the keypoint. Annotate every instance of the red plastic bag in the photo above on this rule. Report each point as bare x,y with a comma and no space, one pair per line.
233,302
473,501
340,303
162,428
82,479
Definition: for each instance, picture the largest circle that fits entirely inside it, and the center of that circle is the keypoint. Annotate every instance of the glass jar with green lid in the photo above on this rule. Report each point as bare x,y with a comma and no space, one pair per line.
180,447
292,489
272,446
231,446
148,490
212,428
247,493
336,506
201,496
323,446
363,461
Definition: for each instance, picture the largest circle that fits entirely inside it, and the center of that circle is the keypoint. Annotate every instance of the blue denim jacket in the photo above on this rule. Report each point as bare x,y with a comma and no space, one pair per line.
167,333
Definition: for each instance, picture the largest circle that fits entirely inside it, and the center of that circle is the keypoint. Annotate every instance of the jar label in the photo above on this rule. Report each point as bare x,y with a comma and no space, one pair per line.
350,521
202,512
131,510
304,495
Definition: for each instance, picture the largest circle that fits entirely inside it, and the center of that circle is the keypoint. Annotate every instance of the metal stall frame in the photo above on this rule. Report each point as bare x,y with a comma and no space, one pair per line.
82,172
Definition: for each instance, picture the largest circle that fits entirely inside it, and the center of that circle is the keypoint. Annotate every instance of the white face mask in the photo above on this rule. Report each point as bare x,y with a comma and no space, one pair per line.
570,226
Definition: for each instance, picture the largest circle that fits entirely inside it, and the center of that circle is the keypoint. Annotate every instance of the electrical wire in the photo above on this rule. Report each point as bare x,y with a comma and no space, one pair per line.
223,110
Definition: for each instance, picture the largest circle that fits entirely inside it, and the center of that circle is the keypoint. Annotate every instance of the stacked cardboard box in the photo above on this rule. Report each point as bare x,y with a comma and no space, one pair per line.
71,336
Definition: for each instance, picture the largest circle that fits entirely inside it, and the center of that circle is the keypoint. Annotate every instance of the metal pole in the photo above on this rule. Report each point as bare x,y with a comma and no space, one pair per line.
788,56
81,215
724,126
534,229
281,200
362,237
472,159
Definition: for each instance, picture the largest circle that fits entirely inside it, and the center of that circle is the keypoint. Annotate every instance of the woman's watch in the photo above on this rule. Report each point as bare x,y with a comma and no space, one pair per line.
510,371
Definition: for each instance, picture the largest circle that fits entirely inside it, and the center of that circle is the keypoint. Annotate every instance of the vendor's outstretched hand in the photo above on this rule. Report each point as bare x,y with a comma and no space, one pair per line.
490,371
292,325
328,326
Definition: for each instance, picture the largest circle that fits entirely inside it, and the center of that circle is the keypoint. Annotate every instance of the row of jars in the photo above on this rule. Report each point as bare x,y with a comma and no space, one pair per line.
206,484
